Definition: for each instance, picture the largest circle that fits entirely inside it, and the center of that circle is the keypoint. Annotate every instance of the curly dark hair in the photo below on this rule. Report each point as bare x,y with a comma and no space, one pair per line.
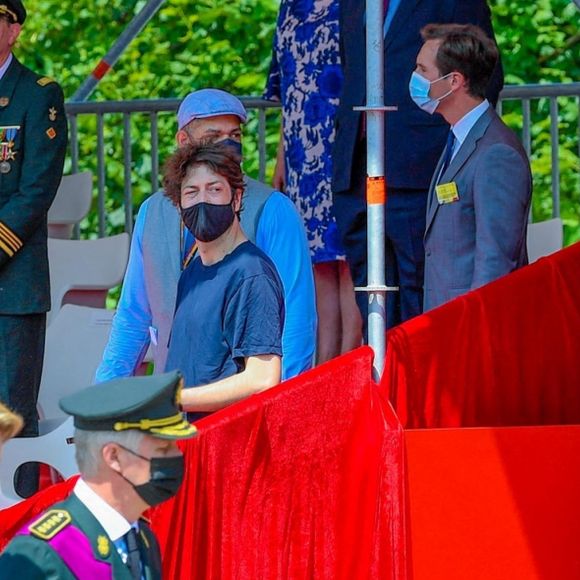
464,48
220,159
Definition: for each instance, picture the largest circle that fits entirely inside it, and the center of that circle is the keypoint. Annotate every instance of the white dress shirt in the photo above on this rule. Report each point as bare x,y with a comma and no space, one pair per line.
114,524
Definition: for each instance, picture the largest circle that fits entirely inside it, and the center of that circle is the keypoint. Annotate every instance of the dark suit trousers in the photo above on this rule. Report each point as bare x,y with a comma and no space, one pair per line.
404,250
21,357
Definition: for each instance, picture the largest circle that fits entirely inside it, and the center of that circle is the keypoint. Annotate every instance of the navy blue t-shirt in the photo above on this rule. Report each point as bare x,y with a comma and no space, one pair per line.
225,312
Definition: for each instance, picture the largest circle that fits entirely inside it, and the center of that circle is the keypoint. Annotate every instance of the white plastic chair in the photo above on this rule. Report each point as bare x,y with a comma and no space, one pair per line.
75,342
89,268
71,204
544,238
55,448
74,346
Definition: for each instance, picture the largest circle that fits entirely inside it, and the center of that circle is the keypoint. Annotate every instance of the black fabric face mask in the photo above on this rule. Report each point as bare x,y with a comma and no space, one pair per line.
208,221
232,144
166,476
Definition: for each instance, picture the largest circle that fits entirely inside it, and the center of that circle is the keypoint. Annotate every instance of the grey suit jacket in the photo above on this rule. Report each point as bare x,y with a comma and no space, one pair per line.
482,236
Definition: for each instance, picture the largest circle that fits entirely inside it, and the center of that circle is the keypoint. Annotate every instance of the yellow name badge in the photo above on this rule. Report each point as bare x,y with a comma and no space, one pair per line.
447,193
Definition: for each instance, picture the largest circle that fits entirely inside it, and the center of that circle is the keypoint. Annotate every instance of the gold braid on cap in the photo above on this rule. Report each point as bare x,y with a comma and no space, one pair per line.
147,424
5,10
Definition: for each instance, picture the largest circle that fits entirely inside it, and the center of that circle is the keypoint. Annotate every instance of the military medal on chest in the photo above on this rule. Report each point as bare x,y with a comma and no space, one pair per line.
7,153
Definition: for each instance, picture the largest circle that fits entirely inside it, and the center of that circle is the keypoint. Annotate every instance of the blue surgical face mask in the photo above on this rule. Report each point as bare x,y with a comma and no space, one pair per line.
419,88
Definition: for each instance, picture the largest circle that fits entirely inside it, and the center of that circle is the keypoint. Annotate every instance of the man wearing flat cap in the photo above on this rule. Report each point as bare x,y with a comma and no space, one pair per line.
125,437
33,139
162,247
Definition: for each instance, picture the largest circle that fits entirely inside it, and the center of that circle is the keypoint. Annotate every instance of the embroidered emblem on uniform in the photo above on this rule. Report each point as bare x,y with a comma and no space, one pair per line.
52,114
50,524
51,133
103,546
45,81
4,101
7,153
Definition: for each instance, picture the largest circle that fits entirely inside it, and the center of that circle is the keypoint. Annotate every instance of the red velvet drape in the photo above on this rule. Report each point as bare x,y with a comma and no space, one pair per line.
302,481
506,354
306,479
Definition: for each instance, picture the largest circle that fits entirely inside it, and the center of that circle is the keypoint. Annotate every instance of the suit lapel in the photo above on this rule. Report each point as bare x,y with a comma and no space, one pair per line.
8,83
90,526
465,152
468,146
151,565
404,12
432,203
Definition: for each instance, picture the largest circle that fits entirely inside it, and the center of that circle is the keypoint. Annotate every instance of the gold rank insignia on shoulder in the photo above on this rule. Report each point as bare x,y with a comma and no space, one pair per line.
52,114
4,101
103,546
50,524
43,81
51,133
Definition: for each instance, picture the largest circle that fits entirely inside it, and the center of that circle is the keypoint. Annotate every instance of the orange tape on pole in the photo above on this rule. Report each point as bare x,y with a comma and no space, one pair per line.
101,69
376,190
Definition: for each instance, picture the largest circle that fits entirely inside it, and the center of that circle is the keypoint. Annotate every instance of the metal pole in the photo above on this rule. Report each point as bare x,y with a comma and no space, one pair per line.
133,29
376,193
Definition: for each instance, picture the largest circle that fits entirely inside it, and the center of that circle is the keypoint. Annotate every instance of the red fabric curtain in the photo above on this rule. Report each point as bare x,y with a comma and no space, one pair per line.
302,481
506,354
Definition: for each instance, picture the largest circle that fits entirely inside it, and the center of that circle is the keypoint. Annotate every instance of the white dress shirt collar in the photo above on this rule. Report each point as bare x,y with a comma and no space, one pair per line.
5,66
465,124
112,521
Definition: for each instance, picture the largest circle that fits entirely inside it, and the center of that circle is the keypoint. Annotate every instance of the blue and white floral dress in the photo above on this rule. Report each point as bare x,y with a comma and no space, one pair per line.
305,75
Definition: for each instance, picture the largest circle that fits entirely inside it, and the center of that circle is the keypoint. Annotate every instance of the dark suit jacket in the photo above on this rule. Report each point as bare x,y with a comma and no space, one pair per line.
31,558
482,235
413,139
35,105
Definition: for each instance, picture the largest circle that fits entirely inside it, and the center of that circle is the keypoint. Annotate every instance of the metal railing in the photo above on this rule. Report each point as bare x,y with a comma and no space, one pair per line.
157,109
525,94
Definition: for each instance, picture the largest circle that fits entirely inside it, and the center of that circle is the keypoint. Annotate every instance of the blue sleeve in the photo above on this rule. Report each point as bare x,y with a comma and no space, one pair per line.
255,317
282,238
129,338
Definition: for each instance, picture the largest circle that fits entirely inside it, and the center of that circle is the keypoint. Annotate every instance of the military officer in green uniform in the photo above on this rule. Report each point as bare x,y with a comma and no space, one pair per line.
33,139
126,450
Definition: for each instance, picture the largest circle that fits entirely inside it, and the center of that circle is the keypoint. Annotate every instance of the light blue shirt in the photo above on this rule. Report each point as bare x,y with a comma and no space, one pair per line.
393,6
465,124
280,235
5,66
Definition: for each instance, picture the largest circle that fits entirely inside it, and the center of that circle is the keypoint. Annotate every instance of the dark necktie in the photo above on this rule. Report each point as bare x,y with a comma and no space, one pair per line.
133,556
448,152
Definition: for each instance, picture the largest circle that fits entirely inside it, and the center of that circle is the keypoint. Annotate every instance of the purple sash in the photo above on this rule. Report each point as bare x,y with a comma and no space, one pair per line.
75,550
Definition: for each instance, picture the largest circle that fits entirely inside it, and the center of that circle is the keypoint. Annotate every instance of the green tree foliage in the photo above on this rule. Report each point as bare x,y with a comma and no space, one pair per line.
227,44
186,46
540,43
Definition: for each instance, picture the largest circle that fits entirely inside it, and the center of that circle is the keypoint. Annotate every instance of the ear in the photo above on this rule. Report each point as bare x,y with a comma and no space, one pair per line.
181,138
110,455
238,200
13,33
458,80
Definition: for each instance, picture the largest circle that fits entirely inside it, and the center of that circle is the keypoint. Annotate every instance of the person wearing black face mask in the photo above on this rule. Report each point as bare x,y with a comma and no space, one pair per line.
226,336
125,437
162,247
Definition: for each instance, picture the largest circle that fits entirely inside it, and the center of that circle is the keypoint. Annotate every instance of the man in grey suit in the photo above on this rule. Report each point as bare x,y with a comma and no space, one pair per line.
479,197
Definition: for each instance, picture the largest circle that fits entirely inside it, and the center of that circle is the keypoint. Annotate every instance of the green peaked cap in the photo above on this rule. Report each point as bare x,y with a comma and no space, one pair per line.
148,404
